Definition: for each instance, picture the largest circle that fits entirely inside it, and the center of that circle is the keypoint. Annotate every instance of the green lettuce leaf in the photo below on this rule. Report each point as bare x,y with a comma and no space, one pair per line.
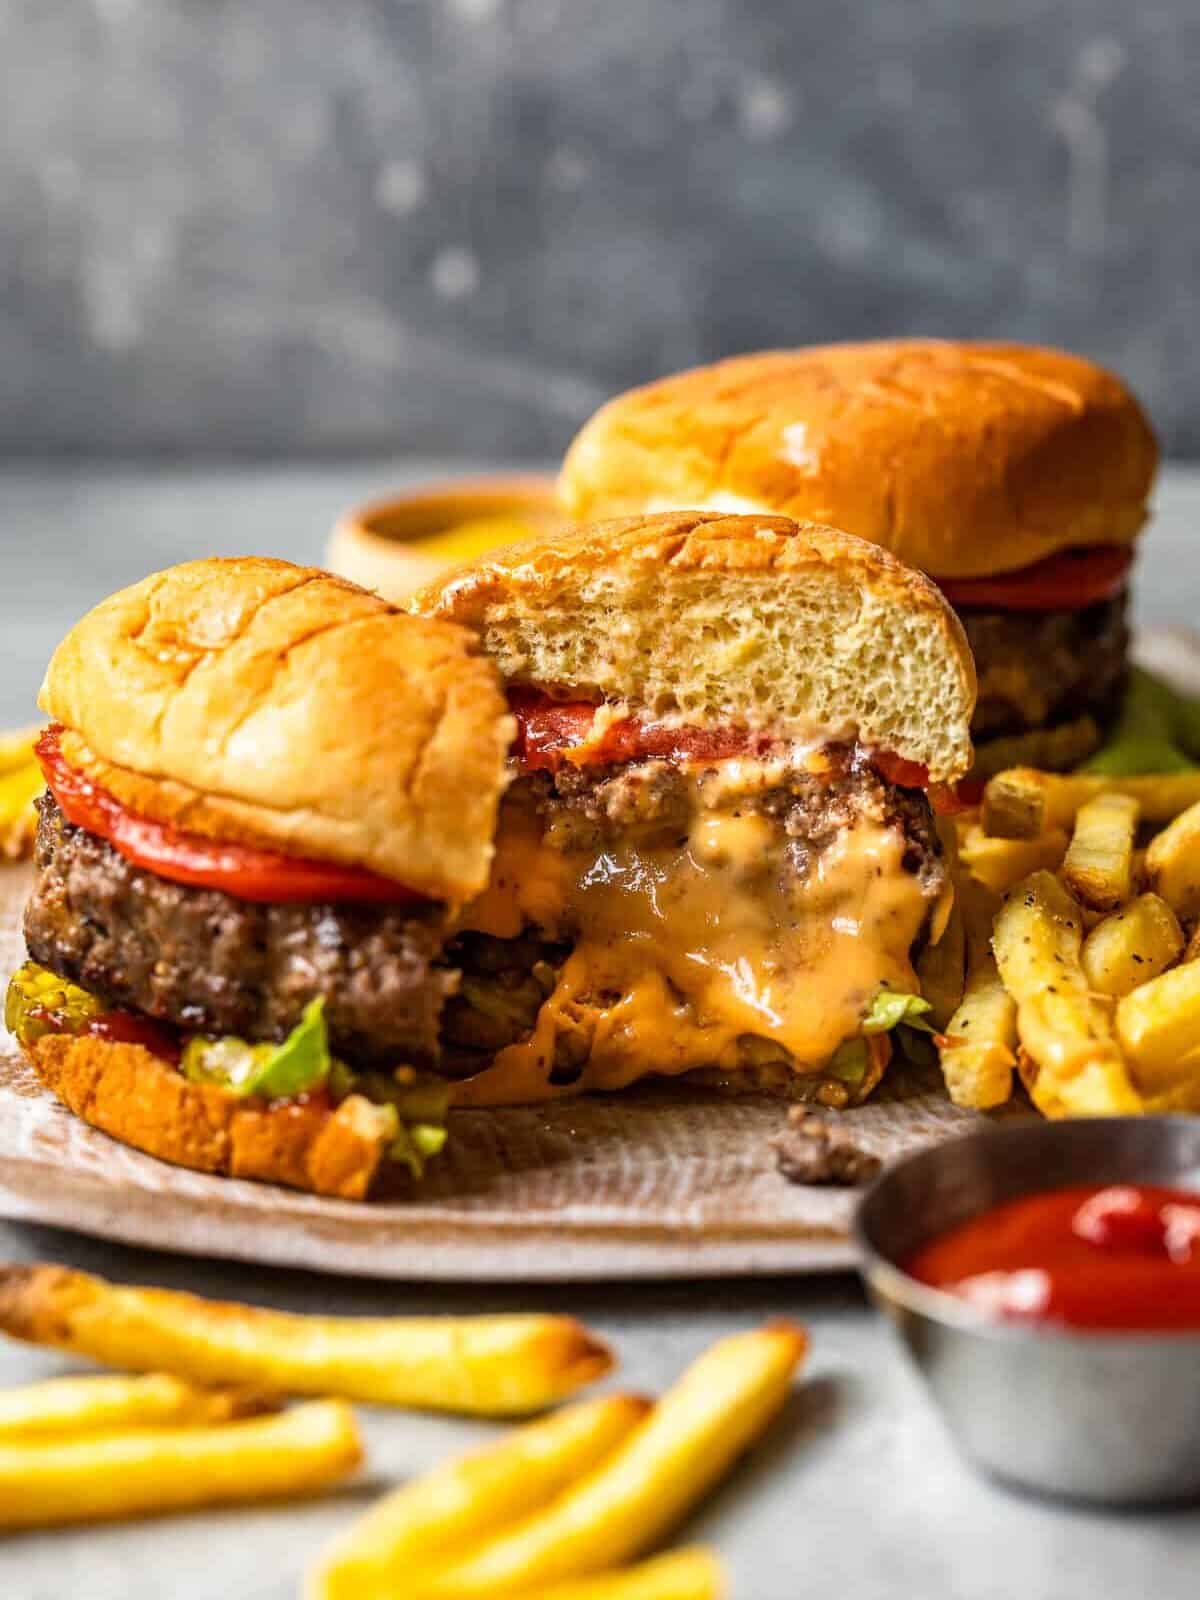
1157,730
890,1008
273,1071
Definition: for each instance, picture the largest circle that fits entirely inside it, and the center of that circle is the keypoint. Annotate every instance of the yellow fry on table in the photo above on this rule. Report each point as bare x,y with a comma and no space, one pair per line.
1173,863
999,863
689,1441
482,1366
1098,867
1023,803
74,1406
16,748
940,969
1077,1066
690,1574
19,788
1158,1025
979,1052
104,1476
464,1501
1132,946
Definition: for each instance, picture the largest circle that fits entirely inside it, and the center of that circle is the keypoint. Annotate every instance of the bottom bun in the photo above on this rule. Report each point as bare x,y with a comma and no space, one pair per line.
131,1094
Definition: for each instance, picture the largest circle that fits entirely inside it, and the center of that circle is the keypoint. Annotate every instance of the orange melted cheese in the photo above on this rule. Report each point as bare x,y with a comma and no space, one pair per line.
683,947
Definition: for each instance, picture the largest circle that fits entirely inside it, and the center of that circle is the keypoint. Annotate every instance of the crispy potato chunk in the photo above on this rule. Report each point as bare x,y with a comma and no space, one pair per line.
1098,869
979,1051
1158,1025
1132,946
1173,863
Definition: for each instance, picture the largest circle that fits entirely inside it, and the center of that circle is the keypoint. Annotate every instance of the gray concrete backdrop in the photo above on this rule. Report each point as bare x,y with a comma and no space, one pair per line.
455,225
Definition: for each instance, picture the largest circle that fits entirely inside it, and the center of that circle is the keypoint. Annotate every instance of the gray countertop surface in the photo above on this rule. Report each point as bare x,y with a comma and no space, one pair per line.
856,1492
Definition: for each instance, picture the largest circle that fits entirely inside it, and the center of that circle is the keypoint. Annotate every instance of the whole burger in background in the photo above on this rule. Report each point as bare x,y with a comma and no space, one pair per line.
268,793
1016,477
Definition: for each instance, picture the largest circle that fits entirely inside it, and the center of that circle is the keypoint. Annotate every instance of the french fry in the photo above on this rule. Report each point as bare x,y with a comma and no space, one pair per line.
1158,1025
1132,946
1173,863
19,788
106,1476
1078,1068
690,1574
691,1438
1023,803
466,1500
941,967
16,749
999,863
1098,868
479,1366
74,1406
979,1056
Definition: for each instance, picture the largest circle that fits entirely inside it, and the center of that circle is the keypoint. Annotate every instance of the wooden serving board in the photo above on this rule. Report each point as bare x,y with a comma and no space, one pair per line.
652,1183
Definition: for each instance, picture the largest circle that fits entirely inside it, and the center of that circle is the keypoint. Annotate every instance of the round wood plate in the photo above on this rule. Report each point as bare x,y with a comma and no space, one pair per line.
652,1183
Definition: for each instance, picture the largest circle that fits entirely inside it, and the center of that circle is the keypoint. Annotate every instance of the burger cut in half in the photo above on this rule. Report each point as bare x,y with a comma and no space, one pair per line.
718,854
1016,477
268,793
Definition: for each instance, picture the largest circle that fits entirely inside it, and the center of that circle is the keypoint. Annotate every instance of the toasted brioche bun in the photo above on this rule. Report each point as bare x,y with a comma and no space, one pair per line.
276,705
962,459
127,1092
758,621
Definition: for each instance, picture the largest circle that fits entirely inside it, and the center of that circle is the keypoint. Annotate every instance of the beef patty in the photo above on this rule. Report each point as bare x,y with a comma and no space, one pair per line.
209,963
1039,668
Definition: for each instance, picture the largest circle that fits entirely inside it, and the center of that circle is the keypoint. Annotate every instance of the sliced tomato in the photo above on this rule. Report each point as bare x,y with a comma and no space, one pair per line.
244,871
1063,582
552,733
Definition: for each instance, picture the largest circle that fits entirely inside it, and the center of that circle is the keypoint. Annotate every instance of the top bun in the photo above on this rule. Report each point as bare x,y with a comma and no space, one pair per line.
963,459
757,621
257,701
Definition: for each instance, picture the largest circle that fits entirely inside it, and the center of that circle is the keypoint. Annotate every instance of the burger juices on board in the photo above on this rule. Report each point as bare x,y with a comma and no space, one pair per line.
1016,477
268,794
719,853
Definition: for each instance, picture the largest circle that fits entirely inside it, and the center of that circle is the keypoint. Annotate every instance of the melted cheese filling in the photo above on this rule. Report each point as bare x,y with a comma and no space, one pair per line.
686,945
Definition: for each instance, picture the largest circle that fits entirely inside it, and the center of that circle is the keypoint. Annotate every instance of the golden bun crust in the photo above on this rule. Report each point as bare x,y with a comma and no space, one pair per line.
133,1096
757,620
257,701
962,459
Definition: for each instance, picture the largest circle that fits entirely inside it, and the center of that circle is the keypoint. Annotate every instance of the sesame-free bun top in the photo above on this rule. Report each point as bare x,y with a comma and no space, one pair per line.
270,704
755,621
963,459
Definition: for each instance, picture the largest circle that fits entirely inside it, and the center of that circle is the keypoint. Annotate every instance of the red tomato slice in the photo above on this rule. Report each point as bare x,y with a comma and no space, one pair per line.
1063,582
551,733
243,871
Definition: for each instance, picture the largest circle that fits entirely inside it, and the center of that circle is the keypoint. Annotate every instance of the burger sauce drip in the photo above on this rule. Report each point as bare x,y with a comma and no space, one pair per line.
118,1027
1123,1257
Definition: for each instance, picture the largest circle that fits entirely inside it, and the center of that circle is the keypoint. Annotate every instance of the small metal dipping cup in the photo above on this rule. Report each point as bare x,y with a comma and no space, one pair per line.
1107,1417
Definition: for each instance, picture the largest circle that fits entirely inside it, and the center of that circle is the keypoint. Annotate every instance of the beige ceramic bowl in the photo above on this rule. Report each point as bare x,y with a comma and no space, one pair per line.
398,544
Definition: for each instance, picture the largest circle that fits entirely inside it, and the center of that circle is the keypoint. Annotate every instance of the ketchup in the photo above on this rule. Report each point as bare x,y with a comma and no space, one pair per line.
1117,1257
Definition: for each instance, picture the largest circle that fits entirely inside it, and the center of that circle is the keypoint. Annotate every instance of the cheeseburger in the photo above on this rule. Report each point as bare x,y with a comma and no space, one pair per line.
1016,477
718,853
268,795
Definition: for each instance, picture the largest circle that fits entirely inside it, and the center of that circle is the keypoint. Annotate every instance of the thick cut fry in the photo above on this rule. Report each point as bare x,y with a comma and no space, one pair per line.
691,1574
1173,863
480,1366
999,863
1098,869
1159,1027
1023,803
940,968
1078,1069
18,819
691,1438
463,1502
110,1475
978,1056
74,1406
1132,946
